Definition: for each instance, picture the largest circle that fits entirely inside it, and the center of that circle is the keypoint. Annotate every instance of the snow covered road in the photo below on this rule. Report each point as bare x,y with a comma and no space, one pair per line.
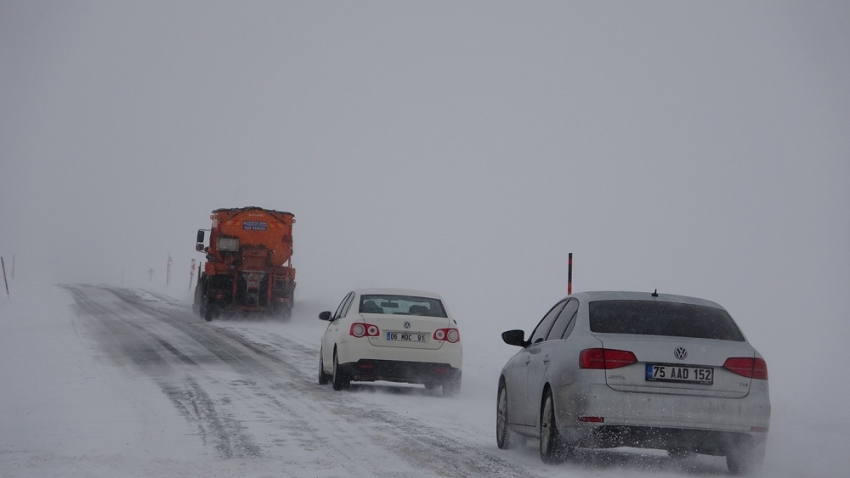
104,381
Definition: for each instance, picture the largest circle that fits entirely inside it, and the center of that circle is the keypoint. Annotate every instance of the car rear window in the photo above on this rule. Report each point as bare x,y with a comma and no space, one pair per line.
673,319
401,305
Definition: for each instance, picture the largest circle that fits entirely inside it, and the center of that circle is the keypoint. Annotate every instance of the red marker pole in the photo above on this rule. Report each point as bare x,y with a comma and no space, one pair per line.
3,263
570,275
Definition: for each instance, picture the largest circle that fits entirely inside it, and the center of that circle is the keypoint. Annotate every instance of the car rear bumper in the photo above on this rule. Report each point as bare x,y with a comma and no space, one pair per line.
595,415
707,442
354,350
369,370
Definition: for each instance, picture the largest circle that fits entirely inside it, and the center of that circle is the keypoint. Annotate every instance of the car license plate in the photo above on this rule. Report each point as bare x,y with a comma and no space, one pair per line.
406,336
680,374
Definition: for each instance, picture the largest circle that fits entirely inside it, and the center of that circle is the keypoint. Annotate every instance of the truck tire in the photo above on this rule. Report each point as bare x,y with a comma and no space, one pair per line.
209,312
199,304
284,312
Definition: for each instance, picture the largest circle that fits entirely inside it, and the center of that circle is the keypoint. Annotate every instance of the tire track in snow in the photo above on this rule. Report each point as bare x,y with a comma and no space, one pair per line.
331,445
335,427
443,454
139,344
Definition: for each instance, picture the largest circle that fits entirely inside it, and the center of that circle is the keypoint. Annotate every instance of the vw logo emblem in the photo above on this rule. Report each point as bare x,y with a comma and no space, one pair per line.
407,325
681,353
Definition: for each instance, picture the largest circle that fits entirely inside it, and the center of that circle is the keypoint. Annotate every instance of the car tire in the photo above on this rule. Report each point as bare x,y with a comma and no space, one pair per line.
324,378
505,438
452,387
553,449
744,459
340,379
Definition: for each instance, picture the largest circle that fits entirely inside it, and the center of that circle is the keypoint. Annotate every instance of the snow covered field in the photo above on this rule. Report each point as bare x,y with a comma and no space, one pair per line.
101,381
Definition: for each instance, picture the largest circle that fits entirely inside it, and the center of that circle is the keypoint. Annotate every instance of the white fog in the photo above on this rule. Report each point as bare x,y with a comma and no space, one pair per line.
462,148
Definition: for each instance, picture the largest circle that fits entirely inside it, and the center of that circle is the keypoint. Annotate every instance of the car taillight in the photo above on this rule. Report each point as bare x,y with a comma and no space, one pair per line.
605,359
363,330
747,367
449,335
591,419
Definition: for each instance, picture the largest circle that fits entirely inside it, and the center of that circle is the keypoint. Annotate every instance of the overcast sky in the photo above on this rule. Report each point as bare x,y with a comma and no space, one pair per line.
460,147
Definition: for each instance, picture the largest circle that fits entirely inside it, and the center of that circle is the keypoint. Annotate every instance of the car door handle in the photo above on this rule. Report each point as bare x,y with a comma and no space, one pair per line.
546,359
528,360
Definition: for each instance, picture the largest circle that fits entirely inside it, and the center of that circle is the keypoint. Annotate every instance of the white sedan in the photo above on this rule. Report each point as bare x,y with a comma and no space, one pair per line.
392,335
636,369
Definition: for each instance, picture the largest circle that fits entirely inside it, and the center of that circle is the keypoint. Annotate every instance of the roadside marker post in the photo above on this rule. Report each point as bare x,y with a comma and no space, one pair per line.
191,274
3,263
570,275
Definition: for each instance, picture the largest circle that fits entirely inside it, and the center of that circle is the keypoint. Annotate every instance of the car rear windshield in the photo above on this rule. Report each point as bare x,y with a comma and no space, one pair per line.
401,305
638,317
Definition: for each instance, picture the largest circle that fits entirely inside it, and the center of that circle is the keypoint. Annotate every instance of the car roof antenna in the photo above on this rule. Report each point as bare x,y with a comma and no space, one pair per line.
655,294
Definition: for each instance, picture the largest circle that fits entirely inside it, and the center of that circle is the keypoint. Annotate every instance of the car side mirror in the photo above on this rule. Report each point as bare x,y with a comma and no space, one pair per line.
200,237
514,337
199,247
326,315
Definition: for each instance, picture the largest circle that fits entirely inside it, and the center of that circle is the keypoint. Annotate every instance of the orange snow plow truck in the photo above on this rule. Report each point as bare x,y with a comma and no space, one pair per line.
249,263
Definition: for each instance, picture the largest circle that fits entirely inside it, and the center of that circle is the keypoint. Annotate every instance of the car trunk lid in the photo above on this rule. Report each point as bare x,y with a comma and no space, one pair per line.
406,331
677,365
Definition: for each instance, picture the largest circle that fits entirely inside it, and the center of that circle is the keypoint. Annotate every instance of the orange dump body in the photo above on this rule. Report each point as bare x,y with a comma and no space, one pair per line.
249,262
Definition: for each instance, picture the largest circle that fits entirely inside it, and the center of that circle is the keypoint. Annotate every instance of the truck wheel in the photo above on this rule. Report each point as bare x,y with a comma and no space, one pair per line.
209,312
284,312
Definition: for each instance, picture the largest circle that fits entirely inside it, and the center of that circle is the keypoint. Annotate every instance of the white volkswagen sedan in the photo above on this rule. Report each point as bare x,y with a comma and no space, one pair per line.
646,370
393,335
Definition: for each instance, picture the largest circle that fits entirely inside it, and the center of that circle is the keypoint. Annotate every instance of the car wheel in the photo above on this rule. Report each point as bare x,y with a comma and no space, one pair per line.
552,446
505,438
323,377
340,380
452,387
744,459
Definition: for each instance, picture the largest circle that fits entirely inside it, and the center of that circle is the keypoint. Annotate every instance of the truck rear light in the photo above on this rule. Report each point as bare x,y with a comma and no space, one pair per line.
449,335
363,330
750,367
219,296
605,359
